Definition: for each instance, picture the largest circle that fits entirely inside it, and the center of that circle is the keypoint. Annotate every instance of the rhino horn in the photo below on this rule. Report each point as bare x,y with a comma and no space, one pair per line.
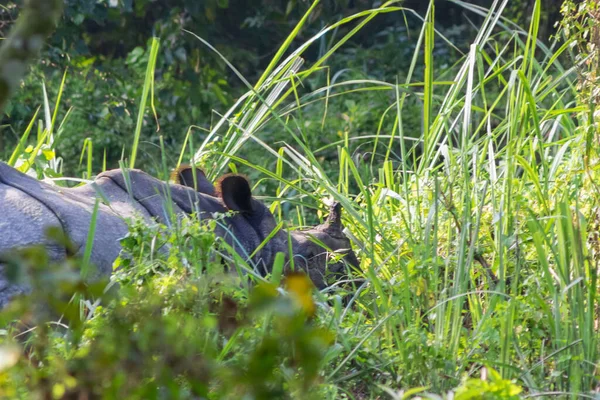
334,220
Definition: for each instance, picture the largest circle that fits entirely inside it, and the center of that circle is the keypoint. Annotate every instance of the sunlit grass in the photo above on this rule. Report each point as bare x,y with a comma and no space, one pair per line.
477,249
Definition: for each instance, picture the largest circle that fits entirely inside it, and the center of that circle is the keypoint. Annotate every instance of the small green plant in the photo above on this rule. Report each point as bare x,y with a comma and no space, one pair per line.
494,388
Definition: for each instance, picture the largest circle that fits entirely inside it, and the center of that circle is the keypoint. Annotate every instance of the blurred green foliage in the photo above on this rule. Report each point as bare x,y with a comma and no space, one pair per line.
178,327
580,25
103,47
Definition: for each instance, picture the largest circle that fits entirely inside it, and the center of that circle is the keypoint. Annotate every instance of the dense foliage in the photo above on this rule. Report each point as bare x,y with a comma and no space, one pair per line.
102,46
463,148
168,332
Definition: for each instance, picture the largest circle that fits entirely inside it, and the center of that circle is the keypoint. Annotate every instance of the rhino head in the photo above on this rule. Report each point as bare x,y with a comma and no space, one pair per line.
323,252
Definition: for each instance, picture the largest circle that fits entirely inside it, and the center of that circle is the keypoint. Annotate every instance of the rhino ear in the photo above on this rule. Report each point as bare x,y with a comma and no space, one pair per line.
184,175
236,193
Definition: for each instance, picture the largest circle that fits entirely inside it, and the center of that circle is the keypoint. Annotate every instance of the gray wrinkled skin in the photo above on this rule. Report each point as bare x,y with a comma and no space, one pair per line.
28,207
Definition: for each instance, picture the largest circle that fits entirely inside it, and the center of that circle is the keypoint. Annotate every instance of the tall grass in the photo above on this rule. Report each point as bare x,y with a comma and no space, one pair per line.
475,250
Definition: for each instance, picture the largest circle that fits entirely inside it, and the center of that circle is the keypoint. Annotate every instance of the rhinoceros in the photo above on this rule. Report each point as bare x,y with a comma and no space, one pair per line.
29,206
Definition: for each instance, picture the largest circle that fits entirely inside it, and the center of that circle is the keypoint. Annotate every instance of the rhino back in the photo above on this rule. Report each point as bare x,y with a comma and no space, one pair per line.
156,196
74,212
153,195
23,222
117,199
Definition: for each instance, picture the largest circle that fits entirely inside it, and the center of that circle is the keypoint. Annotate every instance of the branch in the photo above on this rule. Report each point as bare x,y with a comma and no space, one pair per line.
477,256
37,20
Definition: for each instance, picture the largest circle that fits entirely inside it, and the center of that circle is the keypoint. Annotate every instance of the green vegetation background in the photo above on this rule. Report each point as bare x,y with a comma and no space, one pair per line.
105,50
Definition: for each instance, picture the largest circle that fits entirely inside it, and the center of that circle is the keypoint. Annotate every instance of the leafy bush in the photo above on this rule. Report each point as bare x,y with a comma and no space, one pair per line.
176,327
